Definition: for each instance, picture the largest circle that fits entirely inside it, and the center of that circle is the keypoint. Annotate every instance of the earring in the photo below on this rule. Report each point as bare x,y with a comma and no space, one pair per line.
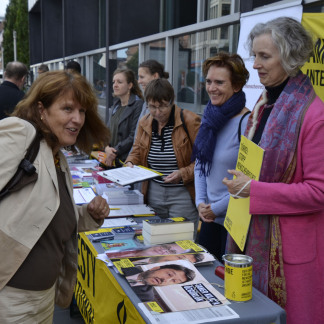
41,117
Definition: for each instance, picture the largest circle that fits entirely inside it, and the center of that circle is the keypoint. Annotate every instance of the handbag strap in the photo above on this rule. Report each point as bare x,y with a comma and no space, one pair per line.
240,126
25,167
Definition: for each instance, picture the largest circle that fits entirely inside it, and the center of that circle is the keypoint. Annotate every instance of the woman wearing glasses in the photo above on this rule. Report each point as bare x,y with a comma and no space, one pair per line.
164,143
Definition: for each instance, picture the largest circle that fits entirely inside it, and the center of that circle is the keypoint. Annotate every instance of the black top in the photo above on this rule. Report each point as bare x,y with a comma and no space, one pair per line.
273,94
10,95
41,268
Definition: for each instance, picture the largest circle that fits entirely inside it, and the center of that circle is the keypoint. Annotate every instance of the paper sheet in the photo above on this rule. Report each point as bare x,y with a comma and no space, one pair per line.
237,220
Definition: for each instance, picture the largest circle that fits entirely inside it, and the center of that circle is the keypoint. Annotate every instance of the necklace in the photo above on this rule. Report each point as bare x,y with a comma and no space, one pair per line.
57,161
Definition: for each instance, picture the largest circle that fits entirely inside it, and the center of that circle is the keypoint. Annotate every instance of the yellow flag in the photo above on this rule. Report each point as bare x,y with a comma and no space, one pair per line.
314,68
237,220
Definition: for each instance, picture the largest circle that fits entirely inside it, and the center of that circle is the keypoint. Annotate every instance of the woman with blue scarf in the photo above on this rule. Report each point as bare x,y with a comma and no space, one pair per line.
217,143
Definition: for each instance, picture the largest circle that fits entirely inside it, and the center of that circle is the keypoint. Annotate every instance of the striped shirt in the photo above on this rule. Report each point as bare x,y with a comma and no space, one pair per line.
161,156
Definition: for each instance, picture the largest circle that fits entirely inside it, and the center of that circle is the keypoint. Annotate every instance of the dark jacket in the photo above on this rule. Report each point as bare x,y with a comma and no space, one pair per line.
127,124
10,95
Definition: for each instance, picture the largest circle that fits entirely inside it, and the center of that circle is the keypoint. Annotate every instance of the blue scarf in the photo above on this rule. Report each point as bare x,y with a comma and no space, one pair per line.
214,119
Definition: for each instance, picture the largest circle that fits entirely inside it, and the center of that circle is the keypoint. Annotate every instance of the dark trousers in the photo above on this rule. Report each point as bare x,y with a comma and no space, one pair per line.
213,237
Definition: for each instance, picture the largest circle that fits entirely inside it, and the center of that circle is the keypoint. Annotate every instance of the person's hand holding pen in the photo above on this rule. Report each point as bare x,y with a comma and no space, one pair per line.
129,164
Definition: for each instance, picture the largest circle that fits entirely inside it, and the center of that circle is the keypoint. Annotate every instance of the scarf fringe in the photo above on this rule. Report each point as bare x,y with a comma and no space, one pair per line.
263,100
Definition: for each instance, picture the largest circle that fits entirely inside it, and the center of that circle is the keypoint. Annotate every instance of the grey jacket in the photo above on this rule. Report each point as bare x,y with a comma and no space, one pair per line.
127,124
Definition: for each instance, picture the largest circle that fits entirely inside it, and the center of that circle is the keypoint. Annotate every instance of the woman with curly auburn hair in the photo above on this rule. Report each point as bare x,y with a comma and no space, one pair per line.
39,221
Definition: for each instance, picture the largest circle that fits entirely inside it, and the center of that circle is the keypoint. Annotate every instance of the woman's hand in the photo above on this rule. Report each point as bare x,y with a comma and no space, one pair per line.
98,208
205,213
174,177
111,155
234,186
129,164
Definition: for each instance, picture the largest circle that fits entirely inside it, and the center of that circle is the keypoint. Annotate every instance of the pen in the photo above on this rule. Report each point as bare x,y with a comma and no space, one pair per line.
114,208
121,162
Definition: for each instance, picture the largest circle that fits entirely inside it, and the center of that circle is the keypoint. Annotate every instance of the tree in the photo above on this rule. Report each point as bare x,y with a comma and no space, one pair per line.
16,19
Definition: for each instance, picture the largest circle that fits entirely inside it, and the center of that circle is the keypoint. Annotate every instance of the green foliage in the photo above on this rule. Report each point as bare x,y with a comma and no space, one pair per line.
16,19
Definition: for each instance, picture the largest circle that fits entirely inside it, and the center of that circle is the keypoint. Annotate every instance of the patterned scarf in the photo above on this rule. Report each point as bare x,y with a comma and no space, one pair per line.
214,119
279,140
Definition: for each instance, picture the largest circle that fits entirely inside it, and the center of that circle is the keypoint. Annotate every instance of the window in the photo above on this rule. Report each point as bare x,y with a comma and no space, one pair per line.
156,51
219,8
190,51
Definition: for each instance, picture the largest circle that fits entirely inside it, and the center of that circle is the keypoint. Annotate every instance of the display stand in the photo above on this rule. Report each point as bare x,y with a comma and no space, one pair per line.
104,296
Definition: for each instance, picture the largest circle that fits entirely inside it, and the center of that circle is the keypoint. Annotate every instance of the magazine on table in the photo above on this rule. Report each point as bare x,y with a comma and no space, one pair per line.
178,247
172,286
198,259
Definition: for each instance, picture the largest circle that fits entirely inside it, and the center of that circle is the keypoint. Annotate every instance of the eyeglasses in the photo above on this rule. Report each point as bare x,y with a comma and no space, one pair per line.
160,108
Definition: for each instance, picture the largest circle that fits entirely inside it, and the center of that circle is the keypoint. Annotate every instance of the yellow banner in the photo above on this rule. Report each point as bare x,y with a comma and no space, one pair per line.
237,220
99,297
314,68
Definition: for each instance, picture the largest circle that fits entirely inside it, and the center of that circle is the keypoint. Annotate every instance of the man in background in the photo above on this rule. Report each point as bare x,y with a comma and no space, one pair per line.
73,66
42,68
11,88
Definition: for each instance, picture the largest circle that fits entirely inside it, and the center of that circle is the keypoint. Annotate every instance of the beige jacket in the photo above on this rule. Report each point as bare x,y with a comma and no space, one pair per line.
25,214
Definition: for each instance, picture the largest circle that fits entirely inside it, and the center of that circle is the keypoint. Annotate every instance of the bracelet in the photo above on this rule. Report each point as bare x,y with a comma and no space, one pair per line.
237,194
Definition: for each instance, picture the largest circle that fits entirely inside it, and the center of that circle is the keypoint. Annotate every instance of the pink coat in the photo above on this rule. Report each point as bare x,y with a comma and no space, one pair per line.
300,206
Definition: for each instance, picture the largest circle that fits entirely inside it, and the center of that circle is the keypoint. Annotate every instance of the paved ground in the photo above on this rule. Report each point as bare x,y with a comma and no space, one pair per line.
62,316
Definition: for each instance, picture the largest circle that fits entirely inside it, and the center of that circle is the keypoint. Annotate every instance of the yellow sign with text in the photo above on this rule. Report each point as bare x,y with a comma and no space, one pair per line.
237,220
314,68
99,296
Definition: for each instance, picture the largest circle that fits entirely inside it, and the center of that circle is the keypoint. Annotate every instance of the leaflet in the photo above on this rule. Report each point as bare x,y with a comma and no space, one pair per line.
130,210
127,175
238,217
83,195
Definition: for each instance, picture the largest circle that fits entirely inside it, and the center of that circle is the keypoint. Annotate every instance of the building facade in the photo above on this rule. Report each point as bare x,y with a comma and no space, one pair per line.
103,35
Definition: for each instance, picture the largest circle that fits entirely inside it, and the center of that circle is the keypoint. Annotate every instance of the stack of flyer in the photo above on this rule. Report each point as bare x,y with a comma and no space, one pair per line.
123,197
165,230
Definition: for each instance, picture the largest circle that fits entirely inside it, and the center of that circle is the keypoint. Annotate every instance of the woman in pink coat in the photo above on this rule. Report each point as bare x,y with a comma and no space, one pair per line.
286,235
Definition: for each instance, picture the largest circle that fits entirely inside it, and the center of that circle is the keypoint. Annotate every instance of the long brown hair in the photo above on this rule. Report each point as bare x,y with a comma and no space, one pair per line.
130,78
47,88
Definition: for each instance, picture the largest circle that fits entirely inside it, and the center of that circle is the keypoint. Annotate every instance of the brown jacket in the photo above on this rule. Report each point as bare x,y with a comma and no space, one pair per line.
182,145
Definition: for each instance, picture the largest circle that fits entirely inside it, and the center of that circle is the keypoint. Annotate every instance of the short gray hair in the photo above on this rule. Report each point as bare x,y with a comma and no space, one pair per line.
294,43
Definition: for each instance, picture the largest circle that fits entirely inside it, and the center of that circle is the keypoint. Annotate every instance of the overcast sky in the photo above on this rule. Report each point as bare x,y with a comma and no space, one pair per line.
3,6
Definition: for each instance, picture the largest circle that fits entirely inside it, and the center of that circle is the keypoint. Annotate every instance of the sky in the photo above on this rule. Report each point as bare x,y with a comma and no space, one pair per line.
3,6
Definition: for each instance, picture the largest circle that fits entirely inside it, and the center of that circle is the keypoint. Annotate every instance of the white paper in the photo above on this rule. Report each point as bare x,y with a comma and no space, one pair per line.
128,210
116,222
83,195
103,257
209,314
128,175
